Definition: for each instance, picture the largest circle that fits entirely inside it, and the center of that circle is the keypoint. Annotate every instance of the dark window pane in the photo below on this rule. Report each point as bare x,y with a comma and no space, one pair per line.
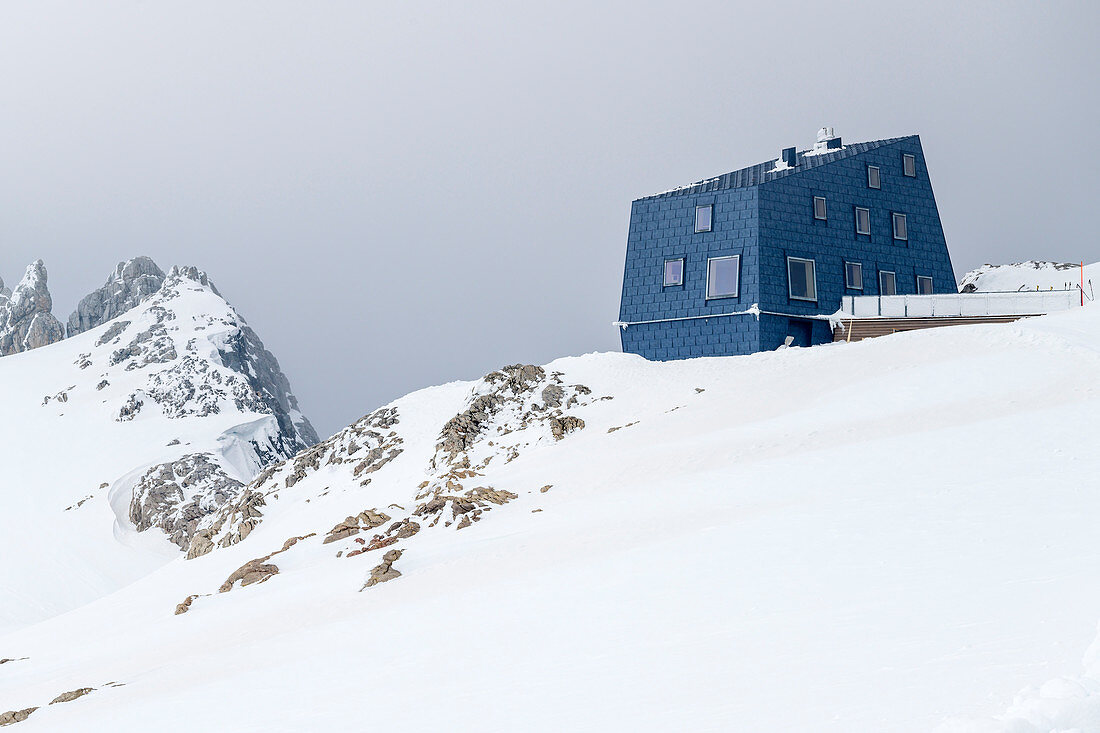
909,165
853,274
874,180
901,231
800,273
819,207
863,221
924,285
887,285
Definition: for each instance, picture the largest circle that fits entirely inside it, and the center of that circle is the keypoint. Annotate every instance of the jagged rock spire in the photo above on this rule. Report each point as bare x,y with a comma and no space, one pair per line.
128,286
25,318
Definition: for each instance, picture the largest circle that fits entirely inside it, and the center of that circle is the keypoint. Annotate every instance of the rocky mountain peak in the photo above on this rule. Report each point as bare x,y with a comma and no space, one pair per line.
26,321
131,283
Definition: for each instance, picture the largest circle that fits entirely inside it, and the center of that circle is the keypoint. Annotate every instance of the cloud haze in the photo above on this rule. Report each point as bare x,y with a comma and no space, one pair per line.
401,194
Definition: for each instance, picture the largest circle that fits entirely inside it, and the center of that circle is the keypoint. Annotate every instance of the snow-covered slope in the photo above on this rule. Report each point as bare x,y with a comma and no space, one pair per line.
885,535
178,378
1032,275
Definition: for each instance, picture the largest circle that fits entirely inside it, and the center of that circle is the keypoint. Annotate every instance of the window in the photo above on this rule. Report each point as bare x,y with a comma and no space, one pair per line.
901,231
703,217
723,276
863,221
819,208
887,283
801,279
853,275
909,165
874,177
924,285
674,272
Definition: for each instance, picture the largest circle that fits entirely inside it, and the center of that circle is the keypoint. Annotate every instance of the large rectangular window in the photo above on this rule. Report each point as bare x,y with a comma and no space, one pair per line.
924,285
874,177
674,272
802,280
704,218
901,230
723,276
853,275
887,283
909,165
819,208
863,220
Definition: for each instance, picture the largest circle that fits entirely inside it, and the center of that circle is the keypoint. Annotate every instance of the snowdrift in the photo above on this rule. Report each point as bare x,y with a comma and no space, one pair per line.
897,534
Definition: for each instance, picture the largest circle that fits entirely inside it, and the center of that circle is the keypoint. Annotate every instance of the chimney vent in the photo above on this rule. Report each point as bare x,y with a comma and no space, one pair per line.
790,157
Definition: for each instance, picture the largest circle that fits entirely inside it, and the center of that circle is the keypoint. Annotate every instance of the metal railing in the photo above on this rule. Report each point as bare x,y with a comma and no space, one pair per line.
1022,303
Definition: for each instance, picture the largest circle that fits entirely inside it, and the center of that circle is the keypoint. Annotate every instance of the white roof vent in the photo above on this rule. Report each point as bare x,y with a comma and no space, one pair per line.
827,142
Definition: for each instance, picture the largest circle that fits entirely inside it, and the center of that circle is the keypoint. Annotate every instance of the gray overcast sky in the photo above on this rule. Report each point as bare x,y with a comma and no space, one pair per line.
401,194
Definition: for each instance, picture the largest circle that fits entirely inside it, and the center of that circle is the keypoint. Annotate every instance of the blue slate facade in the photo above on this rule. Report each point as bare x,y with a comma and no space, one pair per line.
764,216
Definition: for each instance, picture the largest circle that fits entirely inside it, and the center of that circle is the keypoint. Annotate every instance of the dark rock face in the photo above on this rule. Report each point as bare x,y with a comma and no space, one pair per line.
128,286
25,318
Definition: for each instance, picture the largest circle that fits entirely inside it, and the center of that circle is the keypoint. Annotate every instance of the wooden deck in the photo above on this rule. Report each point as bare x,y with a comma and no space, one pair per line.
865,328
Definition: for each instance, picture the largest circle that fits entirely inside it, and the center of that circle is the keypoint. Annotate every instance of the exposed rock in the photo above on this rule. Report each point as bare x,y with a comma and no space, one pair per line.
384,571
176,496
20,659
546,488
352,525
71,695
25,318
253,571
110,334
128,286
560,426
186,605
15,716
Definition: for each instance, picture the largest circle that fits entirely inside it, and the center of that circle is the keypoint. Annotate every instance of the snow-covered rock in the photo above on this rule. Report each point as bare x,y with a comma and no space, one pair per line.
26,320
1031,275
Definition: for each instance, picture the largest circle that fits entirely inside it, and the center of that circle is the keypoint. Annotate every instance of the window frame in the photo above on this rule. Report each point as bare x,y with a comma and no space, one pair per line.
824,209
929,279
878,176
664,273
847,282
868,210
894,277
894,217
906,159
813,272
710,218
737,290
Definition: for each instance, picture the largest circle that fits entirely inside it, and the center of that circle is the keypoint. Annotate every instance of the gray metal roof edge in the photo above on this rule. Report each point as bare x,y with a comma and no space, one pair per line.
755,175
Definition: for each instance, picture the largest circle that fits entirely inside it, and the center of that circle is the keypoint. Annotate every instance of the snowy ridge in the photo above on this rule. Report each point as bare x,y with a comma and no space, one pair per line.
885,535
149,421
1031,275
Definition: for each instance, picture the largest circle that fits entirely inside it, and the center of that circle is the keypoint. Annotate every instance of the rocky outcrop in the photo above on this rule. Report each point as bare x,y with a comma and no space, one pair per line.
177,495
26,321
353,525
258,570
385,570
15,716
71,695
132,283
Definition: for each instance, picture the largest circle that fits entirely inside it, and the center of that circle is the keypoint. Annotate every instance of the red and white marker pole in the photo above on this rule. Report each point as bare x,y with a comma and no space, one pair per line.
1082,282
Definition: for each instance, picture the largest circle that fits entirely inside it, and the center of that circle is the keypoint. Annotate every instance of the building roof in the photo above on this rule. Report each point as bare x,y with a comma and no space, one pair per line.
754,175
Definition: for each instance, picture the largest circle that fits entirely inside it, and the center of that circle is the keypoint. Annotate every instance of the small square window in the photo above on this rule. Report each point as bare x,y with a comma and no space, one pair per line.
924,285
863,220
802,280
819,208
723,276
887,283
901,231
704,216
674,272
909,165
874,177
853,275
